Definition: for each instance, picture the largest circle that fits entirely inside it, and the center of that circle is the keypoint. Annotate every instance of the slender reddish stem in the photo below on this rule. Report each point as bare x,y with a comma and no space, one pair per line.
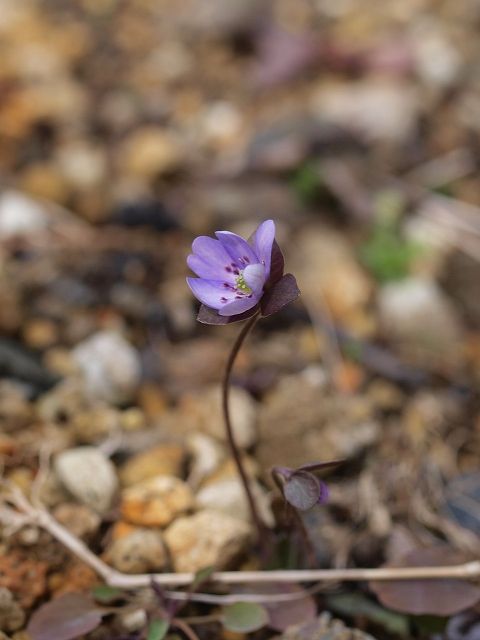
247,327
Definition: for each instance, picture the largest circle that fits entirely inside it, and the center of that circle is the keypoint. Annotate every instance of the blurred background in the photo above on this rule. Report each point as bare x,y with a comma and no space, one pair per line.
128,127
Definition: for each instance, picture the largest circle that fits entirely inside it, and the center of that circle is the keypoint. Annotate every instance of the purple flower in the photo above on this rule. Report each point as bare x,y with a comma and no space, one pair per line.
232,272
234,275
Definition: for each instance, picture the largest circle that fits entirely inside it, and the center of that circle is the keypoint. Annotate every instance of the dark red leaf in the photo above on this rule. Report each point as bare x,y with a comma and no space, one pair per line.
319,466
277,265
65,618
302,490
286,614
442,597
279,295
210,316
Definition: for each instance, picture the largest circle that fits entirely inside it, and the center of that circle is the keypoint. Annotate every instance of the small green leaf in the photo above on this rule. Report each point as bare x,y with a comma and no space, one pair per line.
352,604
244,617
201,576
105,594
157,629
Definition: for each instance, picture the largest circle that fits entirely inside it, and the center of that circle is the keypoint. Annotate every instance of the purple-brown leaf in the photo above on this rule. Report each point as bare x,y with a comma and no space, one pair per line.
441,597
67,617
302,490
211,316
279,295
286,614
277,265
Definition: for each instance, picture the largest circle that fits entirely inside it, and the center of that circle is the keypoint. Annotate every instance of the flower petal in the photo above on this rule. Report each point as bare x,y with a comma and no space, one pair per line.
210,270
238,248
254,276
262,243
238,306
211,292
211,251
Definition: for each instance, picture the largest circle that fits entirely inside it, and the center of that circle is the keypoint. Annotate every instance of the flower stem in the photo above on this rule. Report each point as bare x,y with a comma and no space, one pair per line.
247,327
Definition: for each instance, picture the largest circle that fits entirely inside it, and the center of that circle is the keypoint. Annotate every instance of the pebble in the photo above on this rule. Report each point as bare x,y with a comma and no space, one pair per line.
379,109
207,538
421,321
165,459
150,151
110,366
20,215
83,166
203,412
12,615
323,628
138,550
156,502
89,476
228,496
133,620
206,455
327,271
79,519
300,422
95,424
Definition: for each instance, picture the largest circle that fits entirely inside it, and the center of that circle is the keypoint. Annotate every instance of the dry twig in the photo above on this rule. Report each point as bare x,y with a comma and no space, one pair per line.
41,518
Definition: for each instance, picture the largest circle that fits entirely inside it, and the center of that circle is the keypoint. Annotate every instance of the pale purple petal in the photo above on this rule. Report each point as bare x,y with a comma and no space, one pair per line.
210,292
262,243
238,306
254,276
210,270
238,248
211,251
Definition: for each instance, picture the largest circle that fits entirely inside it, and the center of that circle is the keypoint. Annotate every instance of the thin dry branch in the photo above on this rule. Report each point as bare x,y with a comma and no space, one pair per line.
41,518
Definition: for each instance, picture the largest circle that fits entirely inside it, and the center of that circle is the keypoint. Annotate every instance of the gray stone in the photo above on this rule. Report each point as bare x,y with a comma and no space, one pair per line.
421,321
140,551
110,366
208,538
88,475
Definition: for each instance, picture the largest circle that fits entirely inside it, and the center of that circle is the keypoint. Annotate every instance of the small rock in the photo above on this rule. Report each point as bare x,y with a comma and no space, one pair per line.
12,615
379,109
156,502
165,459
95,424
40,333
150,151
326,269
20,215
89,476
203,412
133,620
206,453
438,61
140,550
323,628
228,496
417,316
83,166
300,422
110,366
44,180
208,538
80,520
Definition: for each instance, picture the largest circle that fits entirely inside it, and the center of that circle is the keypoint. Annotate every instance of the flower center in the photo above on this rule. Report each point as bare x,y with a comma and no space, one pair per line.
241,284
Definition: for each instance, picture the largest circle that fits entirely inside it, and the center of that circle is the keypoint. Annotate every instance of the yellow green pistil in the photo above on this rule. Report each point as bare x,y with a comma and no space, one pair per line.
242,285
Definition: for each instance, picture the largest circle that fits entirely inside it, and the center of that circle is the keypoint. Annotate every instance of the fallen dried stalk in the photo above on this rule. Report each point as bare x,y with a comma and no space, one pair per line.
41,518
